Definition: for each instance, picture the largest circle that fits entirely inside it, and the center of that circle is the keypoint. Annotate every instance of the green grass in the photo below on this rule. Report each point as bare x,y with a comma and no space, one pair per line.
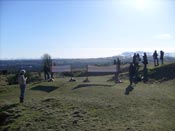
100,105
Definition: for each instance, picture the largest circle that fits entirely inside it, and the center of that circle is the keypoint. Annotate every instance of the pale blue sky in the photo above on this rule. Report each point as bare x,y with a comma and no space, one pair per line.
84,29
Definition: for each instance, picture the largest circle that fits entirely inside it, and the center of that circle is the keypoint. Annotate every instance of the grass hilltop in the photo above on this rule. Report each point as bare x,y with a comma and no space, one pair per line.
100,105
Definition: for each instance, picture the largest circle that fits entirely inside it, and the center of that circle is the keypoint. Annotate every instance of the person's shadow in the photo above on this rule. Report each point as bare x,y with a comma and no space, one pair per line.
128,89
47,89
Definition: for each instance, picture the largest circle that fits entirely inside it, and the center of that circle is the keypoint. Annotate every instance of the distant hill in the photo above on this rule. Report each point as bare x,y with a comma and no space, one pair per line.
35,65
130,54
127,56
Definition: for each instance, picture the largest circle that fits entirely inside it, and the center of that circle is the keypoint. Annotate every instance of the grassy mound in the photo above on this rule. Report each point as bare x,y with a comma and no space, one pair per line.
100,105
163,73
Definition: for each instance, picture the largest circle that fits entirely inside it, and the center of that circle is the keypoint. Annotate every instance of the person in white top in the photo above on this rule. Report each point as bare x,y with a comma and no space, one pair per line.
22,84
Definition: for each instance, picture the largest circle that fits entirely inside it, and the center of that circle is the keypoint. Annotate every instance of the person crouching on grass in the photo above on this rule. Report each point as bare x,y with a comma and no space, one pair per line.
22,83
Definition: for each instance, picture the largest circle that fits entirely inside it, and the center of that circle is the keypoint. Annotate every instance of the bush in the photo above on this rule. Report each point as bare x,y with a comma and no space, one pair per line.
12,79
31,77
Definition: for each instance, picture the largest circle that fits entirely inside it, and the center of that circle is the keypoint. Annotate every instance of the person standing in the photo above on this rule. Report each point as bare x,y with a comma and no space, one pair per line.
134,58
46,72
155,57
131,73
145,60
22,84
161,56
138,59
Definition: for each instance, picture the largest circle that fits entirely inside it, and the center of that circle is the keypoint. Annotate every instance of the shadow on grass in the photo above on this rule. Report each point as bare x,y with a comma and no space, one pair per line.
128,90
90,85
47,89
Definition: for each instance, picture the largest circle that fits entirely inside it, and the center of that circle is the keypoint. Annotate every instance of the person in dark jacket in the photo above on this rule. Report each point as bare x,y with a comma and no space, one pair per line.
145,60
134,59
161,56
131,73
155,57
46,72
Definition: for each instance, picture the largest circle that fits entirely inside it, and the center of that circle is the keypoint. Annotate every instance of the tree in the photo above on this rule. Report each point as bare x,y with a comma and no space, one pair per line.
47,65
115,62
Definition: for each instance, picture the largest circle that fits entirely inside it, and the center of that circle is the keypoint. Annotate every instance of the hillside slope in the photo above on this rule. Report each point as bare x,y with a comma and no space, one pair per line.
100,105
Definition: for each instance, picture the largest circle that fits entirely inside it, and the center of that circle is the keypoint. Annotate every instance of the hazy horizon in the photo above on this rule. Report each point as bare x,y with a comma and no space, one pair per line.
120,54
85,29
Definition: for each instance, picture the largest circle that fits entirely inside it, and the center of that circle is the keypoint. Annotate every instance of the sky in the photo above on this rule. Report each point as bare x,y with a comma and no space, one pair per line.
85,29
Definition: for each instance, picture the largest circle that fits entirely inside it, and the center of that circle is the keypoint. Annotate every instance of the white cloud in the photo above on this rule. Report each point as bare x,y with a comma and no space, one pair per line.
164,37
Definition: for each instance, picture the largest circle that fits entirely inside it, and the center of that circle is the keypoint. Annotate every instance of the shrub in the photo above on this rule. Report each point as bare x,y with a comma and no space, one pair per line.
31,77
12,79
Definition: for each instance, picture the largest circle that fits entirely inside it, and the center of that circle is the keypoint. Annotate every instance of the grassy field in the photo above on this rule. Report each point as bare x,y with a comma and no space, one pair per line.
100,105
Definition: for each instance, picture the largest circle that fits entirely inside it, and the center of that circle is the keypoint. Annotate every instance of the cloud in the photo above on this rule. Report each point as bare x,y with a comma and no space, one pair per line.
164,37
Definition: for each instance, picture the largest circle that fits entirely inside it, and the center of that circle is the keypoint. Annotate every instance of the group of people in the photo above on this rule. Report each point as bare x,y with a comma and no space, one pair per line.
133,71
48,74
156,59
47,71
134,66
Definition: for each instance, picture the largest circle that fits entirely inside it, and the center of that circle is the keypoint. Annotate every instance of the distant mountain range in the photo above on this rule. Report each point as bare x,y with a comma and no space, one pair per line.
36,64
130,54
